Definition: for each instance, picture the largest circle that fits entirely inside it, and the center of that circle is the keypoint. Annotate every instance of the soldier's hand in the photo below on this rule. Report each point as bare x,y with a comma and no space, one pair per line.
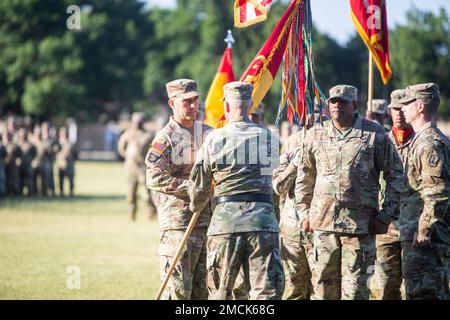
305,226
377,226
296,158
421,239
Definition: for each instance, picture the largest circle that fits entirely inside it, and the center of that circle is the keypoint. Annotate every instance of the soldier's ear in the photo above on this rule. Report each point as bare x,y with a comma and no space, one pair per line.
420,106
227,107
171,103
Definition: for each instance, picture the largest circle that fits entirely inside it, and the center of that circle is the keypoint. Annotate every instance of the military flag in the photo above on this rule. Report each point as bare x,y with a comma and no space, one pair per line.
248,12
264,67
370,19
213,105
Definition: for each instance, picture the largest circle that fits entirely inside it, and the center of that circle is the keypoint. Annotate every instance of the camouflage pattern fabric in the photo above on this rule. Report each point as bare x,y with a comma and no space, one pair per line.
26,170
241,234
169,162
65,162
12,165
338,176
296,257
342,265
188,281
337,188
43,166
259,256
133,145
295,244
425,207
237,139
386,283
2,170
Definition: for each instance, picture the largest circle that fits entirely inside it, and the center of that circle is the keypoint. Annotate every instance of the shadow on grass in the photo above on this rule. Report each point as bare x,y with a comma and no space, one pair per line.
65,199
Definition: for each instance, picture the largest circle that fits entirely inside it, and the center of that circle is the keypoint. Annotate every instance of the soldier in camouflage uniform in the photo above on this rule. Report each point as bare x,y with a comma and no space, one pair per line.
65,161
169,162
424,220
296,244
42,163
133,145
50,144
386,282
26,170
244,231
2,169
12,164
336,193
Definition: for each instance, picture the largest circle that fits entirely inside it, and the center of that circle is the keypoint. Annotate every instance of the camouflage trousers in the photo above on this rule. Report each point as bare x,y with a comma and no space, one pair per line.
188,280
341,265
134,180
62,174
386,282
27,180
257,253
12,175
425,271
45,176
295,256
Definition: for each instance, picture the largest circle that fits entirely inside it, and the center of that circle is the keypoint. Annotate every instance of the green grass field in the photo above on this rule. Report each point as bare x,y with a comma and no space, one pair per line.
41,238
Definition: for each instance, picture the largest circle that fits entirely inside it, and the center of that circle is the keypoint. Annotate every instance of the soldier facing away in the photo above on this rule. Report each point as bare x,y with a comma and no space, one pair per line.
244,230
424,220
169,162
337,190
133,146
65,161
387,280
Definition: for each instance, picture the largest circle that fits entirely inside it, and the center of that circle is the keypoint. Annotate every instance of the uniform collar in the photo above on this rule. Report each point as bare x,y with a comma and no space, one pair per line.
428,125
240,119
357,128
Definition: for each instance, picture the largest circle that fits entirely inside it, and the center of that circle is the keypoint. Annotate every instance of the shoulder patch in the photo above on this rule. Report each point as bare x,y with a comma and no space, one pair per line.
158,147
433,160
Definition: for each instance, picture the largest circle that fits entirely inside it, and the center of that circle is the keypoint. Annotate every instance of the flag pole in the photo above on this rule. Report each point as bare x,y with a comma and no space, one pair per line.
370,83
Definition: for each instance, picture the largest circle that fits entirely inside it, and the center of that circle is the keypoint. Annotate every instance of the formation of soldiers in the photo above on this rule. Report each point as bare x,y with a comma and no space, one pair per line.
28,158
364,213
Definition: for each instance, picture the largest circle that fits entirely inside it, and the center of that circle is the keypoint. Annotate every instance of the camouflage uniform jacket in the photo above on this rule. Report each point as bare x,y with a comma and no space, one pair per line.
239,158
65,157
28,153
133,146
425,198
402,150
284,185
169,162
338,177
13,155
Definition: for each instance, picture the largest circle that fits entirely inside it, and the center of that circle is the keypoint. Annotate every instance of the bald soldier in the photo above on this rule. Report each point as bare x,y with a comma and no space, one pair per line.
336,195
169,162
387,279
239,158
133,146
424,220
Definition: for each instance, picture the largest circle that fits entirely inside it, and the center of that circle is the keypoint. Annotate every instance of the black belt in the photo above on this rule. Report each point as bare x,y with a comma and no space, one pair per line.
250,197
